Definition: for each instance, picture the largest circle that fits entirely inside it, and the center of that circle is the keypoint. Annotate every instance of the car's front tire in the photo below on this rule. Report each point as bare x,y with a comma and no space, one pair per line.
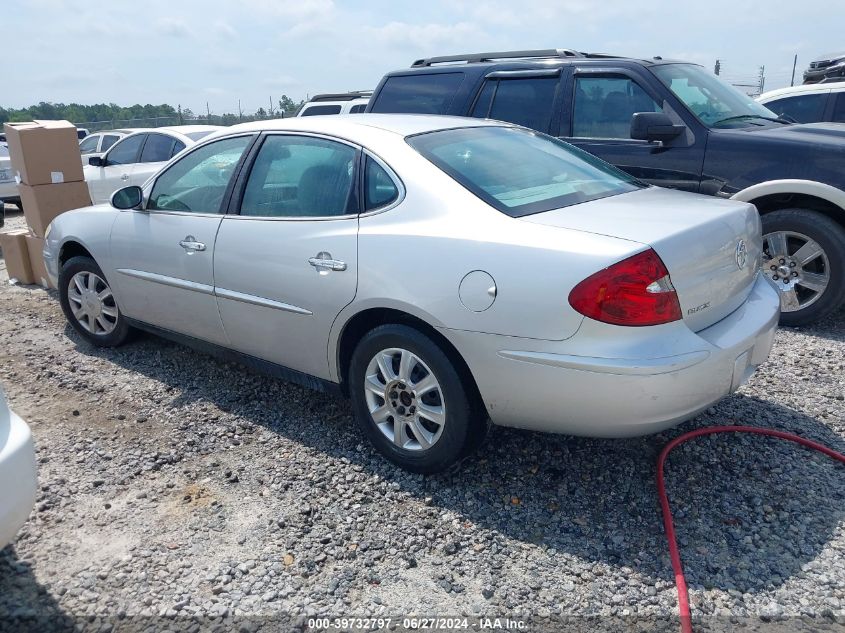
89,303
410,401
804,255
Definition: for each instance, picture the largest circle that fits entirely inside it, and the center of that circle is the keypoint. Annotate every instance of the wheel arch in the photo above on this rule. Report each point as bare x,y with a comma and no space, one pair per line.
72,248
793,193
361,322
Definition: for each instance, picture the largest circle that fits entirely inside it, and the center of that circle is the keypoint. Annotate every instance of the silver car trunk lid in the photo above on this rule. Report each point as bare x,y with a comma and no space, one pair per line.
710,246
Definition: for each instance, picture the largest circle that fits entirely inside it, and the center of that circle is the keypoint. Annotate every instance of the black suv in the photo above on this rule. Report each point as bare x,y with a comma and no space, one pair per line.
672,124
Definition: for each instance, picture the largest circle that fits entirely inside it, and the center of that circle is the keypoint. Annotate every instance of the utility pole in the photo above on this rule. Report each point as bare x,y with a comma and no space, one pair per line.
240,112
208,112
718,66
794,64
762,79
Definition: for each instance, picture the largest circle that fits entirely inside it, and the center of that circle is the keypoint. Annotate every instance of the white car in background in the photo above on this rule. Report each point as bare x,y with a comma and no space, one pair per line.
336,103
17,472
810,103
99,143
137,156
8,186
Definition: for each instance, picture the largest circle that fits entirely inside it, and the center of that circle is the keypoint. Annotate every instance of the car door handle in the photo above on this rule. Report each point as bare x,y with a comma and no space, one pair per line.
324,261
124,177
190,244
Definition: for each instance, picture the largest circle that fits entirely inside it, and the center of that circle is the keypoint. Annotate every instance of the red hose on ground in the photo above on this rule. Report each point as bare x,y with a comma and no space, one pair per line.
668,524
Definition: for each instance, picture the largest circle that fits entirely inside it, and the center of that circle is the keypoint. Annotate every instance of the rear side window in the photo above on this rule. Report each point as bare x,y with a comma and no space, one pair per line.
359,107
520,172
379,188
320,109
157,148
802,108
526,101
178,146
839,108
421,93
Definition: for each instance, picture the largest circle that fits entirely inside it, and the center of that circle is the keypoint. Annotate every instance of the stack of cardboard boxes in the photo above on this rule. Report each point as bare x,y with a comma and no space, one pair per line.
48,168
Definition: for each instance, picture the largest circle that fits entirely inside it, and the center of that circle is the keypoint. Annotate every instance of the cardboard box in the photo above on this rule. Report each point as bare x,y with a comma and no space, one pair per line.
15,253
35,248
44,152
42,203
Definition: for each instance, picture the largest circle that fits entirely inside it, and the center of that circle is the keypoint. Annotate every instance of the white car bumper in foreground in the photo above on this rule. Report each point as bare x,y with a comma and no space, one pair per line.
18,478
632,381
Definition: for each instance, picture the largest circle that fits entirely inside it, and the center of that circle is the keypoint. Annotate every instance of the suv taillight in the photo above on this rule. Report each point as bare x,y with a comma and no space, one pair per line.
636,291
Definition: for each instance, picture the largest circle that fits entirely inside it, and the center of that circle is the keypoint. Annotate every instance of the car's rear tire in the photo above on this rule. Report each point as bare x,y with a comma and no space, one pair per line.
410,401
810,288
89,304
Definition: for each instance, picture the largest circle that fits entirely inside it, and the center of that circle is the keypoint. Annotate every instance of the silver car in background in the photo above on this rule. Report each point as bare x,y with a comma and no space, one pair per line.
439,271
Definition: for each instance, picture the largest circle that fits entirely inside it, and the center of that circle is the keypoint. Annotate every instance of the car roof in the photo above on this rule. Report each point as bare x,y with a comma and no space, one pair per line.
343,124
802,89
188,129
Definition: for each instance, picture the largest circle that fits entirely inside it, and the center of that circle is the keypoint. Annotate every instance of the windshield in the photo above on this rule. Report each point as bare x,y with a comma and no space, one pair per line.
715,103
520,172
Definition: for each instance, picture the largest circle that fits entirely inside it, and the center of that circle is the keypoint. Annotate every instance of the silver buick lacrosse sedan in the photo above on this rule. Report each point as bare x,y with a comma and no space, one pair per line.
441,272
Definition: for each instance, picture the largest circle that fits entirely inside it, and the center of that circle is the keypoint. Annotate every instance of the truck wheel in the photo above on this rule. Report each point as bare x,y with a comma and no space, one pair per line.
804,255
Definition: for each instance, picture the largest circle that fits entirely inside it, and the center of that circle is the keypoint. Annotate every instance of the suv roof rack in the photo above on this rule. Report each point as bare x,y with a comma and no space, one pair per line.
342,96
486,57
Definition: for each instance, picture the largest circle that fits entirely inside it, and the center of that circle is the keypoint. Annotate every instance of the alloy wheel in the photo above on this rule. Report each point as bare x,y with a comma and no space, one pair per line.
92,303
798,265
405,399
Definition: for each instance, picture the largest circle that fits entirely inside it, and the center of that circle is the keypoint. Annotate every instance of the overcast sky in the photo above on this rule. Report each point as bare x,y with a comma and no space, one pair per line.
190,52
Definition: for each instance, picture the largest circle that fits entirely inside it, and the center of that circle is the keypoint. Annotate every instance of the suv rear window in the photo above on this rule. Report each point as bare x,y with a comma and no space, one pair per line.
520,172
420,94
320,109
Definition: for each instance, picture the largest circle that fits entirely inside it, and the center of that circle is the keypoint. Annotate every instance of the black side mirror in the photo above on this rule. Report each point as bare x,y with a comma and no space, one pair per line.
654,126
97,161
127,198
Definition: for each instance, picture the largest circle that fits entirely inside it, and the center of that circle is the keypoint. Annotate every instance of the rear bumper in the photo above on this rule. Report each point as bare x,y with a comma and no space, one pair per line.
609,381
18,474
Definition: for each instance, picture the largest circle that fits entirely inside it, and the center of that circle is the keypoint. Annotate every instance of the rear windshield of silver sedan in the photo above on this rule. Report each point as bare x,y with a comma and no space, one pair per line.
520,172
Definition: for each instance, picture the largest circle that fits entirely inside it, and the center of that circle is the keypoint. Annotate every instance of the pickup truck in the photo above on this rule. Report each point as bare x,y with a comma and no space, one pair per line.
672,124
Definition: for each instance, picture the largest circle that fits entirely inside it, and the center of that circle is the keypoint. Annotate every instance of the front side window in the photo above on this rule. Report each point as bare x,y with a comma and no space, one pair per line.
108,141
526,101
420,93
379,188
520,172
126,151
807,108
320,109
157,148
301,176
713,102
603,106
198,182
89,145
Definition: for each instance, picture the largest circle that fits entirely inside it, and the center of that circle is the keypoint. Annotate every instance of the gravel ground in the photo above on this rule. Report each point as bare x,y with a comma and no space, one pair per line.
180,492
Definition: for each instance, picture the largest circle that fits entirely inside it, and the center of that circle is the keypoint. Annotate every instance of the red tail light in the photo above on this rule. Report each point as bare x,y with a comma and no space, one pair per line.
635,291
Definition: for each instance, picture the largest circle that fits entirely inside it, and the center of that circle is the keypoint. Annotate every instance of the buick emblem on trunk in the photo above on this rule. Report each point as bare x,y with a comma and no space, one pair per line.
741,254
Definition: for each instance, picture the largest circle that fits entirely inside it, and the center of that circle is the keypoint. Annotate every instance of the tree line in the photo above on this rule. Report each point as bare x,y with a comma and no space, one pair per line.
102,112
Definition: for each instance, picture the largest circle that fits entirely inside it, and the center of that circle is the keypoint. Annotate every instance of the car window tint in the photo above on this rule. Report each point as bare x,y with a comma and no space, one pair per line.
321,109
807,108
125,152
485,100
839,108
178,146
108,141
358,107
421,93
197,182
89,145
379,188
525,101
157,148
297,176
604,106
